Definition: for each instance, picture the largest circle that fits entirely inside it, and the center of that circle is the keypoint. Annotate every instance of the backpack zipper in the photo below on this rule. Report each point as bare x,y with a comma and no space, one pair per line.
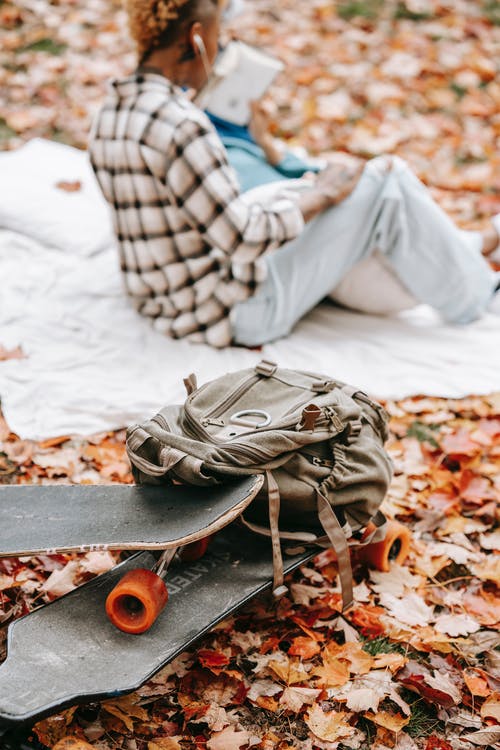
161,422
315,458
249,451
231,398
199,432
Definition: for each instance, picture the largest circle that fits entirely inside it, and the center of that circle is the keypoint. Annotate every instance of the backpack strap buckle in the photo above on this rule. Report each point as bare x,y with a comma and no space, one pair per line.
266,368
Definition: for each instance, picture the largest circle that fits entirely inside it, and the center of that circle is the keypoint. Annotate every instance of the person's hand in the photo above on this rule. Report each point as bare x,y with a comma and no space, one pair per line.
331,186
259,122
258,127
337,181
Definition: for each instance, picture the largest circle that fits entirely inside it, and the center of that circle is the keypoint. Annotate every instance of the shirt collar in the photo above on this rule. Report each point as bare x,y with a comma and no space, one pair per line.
155,79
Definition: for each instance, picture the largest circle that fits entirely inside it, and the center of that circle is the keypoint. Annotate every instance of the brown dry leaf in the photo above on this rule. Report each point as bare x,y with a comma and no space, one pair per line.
5,430
391,660
125,709
484,737
111,459
459,444
62,581
72,743
290,672
436,686
216,718
484,606
332,673
476,683
16,353
53,442
54,728
229,739
268,703
261,688
365,693
393,722
97,562
409,610
488,570
165,743
330,726
304,594
294,698
491,707
69,186
455,625
304,647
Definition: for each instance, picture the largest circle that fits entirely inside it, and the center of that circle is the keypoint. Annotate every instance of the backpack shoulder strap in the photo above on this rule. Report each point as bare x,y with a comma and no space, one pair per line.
337,538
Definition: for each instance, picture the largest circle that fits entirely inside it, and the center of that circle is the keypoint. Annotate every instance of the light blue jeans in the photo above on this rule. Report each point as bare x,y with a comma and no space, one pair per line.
391,211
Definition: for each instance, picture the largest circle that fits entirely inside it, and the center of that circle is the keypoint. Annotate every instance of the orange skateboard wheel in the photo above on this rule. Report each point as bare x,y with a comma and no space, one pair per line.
193,551
394,547
136,601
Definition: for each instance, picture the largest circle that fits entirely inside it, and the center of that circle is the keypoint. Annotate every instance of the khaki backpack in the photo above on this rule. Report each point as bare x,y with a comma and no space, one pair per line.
319,442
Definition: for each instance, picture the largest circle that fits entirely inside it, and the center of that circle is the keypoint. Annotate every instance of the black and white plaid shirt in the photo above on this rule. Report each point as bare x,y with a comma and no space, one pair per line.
190,244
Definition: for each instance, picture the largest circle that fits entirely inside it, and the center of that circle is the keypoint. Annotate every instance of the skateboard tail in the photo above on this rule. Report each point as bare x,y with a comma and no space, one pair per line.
67,652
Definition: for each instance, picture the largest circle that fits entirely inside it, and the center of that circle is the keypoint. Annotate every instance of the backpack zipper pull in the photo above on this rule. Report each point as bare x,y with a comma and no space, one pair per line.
212,422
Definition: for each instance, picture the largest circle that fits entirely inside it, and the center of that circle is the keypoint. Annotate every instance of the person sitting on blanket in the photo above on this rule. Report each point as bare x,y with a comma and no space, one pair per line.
206,261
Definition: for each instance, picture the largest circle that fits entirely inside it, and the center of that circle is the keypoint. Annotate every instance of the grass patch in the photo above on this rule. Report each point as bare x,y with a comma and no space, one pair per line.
423,718
492,11
460,91
5,131
403,12
423,432
381,645
349,9
61,136
45,45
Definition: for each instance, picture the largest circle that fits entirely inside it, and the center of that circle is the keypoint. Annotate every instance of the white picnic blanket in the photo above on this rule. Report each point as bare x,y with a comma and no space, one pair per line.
92,363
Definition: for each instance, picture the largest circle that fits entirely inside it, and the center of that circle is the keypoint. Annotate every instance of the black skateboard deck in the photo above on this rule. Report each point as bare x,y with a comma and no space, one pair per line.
79,518
68,652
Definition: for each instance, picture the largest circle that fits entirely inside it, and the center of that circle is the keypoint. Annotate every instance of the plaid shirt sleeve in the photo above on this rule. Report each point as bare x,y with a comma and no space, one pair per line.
205,187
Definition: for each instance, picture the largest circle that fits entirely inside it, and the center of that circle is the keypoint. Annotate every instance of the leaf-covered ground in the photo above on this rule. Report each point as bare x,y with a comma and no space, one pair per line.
416,663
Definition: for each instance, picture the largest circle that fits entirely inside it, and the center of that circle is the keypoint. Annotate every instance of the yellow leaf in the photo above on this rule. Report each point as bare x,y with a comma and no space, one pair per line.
289,672
394,722
126,710
164,743
360,661
333,672
393,661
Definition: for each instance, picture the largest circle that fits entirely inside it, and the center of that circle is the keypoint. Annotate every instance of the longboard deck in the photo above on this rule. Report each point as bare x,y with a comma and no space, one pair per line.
46,519
68,652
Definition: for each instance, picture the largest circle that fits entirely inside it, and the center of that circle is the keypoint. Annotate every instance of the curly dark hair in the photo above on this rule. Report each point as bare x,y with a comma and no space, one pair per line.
155,24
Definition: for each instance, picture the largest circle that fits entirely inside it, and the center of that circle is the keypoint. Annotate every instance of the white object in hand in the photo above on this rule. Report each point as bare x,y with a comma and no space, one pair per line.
241,74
